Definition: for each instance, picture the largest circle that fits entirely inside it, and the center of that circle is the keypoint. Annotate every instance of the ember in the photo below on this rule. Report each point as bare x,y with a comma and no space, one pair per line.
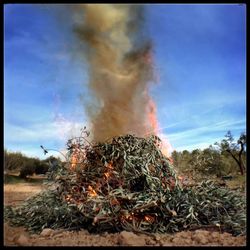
149,218
91,192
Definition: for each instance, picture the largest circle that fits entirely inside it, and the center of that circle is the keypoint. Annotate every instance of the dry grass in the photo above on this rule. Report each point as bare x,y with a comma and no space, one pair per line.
16,193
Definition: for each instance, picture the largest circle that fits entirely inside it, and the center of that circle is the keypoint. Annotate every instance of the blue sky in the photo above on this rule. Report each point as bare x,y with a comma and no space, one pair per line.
200,61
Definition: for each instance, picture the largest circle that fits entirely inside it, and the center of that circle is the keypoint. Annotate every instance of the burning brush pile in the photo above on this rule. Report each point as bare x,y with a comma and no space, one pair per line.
126,184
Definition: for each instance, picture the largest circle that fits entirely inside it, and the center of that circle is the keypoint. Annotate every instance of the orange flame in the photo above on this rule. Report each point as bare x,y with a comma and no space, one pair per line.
74,160
91,192
149,218
154,127
75,157
68,197
109,167
152,116
128,217
166,147
107,175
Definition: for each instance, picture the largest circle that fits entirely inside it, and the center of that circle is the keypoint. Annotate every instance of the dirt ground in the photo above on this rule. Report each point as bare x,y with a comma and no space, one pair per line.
17,236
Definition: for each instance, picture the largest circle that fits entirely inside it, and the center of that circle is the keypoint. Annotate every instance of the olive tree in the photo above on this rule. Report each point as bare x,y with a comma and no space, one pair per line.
235,149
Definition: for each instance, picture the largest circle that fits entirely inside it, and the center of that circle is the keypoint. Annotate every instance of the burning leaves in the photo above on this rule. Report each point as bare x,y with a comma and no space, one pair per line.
91,191
128,184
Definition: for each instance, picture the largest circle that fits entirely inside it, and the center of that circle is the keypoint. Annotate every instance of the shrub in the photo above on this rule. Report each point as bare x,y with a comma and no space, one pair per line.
28,168
41,167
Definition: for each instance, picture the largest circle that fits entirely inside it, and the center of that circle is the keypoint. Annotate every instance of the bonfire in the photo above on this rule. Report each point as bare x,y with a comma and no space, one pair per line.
126,183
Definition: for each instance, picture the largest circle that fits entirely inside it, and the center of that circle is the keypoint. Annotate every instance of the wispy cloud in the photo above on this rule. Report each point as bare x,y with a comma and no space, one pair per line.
58,130
201,145
201,137
217,127
52,134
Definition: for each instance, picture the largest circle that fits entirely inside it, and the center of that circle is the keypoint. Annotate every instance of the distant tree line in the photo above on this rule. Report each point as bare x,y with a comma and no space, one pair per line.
26,166
225,157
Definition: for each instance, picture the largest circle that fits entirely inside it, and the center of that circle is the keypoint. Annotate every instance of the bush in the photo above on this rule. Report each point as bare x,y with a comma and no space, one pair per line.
13,160
41,167
25,171
26,165
207,162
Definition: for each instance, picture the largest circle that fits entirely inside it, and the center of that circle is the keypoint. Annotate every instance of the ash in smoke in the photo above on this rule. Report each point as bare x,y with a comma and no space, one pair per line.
120,70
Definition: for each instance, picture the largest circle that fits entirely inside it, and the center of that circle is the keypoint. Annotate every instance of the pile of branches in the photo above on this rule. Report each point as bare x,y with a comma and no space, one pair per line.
126,183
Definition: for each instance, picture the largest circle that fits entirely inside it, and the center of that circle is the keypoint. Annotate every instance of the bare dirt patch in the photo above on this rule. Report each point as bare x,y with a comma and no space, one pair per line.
14,194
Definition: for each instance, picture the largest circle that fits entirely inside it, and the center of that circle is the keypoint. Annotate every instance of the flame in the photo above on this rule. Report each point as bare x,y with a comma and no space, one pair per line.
75,157
91,191
120,71
120,68
152,118
68,197
166,148
74,160
149,218
129,217
107,175
110,168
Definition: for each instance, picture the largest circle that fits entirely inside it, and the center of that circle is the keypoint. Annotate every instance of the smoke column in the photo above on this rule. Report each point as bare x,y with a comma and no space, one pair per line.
120,70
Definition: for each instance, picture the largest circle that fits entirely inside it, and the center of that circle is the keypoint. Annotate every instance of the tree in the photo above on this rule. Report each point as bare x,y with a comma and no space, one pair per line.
41,167
235,150
176,158
206,162
13,160
28,168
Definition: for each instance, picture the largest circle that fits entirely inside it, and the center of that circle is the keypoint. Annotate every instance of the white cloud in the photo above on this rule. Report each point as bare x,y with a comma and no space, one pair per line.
201,146
220,126
61,129
200,137
52,135
36,132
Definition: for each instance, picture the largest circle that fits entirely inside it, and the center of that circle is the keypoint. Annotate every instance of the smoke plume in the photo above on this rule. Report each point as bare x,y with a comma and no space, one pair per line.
120,70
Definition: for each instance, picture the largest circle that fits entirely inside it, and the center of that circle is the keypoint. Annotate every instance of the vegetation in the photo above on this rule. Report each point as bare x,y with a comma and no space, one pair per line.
26,166
235,150
224,158
128,184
